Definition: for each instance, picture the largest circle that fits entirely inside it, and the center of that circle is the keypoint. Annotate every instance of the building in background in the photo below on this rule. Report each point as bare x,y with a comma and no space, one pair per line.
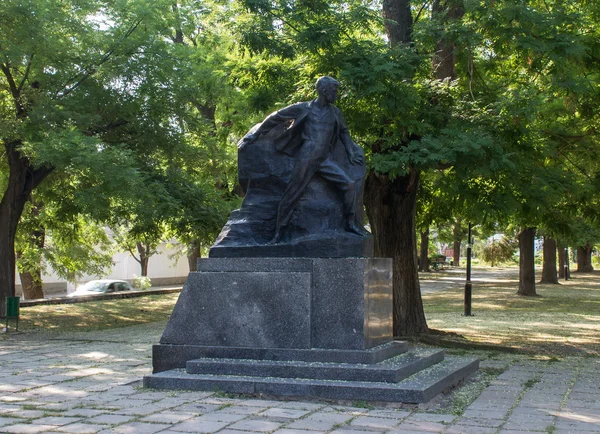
164,268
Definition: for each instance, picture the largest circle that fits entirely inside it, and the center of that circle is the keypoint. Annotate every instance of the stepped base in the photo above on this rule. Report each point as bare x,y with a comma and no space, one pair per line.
418,388
167,357
392,371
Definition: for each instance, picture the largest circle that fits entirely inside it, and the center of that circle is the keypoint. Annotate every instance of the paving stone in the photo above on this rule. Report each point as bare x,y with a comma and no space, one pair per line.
139,428
8,408
532,426
110,419
83,412
235,431
140,411
167,417
510,431
351,431
260,403
27,428
442,418
392,414
282,431
197,408
29,414
421,426
55,420
299,405
374,422
245,409
285,413
80,427
320,421
475,421
468,429
221,417
255,425
485,414
576,426
196,426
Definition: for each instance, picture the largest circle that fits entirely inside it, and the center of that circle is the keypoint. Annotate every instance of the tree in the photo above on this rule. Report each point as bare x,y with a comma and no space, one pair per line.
584,258
526,264
549,274
85,89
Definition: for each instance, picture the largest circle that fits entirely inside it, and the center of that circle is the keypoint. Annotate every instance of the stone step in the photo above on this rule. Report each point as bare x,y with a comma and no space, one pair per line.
167,356
418,388
390,371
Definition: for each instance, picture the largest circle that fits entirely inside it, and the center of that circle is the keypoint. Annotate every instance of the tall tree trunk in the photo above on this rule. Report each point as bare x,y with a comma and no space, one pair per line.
527,262
584,258
143,251
193,254
458,233
424,256
391,207
11,208
549,265
443,59
22,179
32,285
31,279
398,21
562,261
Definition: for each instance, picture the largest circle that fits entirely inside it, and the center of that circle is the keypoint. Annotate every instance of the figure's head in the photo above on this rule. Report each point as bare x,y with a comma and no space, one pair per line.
327,87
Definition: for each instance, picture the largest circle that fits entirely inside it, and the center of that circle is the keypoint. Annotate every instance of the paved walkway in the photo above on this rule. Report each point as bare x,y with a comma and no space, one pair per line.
90,382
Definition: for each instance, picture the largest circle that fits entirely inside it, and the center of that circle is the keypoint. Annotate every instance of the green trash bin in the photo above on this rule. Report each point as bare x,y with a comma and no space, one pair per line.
12,310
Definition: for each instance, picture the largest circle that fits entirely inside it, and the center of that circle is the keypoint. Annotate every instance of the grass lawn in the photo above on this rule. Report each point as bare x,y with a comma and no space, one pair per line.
96,315
563,320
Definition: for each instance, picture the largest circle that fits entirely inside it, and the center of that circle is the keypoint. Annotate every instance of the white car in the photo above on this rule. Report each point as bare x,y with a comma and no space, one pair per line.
104,286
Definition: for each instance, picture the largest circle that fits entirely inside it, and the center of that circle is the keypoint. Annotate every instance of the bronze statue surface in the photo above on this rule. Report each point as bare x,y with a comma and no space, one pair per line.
303,177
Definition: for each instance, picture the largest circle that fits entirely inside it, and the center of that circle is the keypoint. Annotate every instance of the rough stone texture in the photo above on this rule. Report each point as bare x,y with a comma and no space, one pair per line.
421,387
340,303
165,356
326,245
390,371
255,264
352,303
242,309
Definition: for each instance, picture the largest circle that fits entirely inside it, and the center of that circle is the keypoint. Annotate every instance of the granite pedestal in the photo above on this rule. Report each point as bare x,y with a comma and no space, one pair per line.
316,327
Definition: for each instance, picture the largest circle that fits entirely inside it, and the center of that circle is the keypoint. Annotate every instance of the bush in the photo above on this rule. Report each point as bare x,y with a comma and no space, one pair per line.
500,251
141,282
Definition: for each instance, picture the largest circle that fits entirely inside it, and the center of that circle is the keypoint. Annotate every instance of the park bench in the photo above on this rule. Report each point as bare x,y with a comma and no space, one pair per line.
439,263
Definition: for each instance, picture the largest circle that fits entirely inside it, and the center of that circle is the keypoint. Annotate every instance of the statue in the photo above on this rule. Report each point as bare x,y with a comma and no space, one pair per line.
303,177
316,127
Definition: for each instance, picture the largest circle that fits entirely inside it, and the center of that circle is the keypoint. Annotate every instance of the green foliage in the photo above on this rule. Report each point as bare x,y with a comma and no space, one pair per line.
142,282
497,251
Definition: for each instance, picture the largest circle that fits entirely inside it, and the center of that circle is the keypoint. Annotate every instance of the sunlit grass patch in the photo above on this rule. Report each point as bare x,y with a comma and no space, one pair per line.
97,315
563,319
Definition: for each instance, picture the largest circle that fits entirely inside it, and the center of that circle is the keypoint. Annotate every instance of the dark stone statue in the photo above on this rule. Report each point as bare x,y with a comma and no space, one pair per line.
303,177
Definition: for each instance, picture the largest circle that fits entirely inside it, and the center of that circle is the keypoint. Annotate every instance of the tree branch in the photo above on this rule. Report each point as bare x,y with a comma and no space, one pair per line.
130,250
14,90
420,11
26,75
93,69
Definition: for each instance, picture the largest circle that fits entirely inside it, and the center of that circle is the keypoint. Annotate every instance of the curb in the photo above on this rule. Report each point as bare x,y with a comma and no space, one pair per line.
86,298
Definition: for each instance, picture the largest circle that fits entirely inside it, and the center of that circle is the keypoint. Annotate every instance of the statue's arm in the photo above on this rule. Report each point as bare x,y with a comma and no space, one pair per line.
270,122
355,152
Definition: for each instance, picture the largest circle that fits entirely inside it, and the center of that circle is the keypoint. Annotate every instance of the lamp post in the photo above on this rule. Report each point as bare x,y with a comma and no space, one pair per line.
566,263
468,287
